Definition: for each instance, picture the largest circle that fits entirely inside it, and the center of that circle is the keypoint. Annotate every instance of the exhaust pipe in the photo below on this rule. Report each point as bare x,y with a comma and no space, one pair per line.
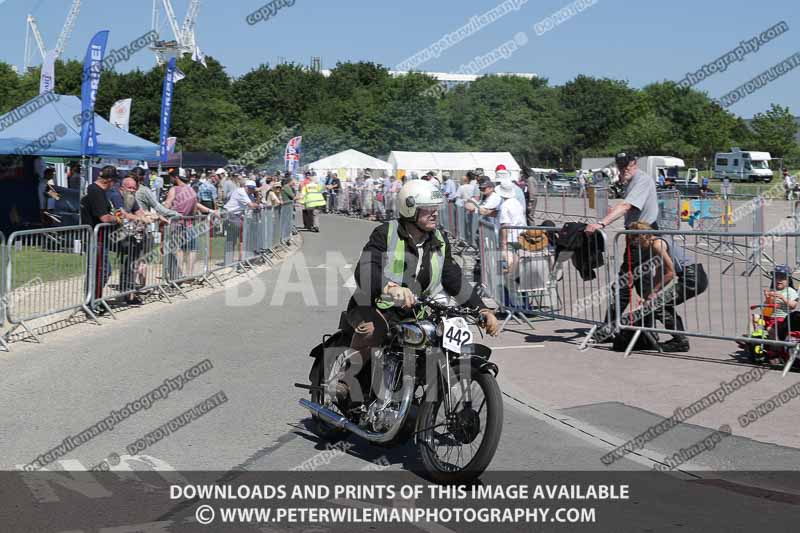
338,421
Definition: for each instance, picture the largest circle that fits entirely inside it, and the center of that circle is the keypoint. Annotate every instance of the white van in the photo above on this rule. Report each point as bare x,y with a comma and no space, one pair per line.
669,166
738,165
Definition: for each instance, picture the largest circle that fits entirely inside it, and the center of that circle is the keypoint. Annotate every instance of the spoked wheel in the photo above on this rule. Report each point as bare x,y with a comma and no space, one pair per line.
457,447
328,379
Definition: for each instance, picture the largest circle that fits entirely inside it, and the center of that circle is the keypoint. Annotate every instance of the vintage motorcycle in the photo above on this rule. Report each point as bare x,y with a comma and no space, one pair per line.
430,382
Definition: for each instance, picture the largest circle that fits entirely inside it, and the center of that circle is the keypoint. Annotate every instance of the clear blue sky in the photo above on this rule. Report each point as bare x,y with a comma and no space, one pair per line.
639,41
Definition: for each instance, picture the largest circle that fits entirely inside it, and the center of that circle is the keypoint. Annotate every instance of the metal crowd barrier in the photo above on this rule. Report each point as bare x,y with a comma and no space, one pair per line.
531,271
250,234
390,205
447,219
705,301
47,271
186,250
3,289
287,220
669,210
734,252
467,226
125,260
368,207
555,208
225,250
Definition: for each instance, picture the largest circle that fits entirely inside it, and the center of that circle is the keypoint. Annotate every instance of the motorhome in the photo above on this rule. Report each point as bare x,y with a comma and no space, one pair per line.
742,165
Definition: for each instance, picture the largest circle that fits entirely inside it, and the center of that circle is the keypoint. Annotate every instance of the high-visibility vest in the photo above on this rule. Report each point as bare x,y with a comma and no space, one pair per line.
396,263
312,196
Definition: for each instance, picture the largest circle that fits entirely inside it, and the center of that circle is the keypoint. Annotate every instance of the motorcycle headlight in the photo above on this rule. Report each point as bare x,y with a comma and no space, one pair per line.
440,329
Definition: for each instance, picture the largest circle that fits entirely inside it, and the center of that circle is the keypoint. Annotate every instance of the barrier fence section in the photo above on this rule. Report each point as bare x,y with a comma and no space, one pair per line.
467,226
125,260
3,267
287,218
565,207
251,230
47,271
447,219
186,250
669,210
543,272
225,249
704,298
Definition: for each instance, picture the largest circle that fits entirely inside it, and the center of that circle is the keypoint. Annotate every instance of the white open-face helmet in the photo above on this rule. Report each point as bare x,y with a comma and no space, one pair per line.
415,194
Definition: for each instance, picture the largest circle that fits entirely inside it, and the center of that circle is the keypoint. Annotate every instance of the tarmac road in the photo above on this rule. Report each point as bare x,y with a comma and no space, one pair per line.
257,339
257,336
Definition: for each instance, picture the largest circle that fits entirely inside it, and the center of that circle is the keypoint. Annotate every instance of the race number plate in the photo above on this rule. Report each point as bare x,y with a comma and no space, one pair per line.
456,334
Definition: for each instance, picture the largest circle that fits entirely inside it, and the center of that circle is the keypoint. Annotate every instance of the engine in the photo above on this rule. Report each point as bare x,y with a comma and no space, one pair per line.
383,413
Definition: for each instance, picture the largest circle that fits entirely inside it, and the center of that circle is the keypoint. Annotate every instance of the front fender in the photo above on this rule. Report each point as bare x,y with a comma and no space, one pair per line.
478,356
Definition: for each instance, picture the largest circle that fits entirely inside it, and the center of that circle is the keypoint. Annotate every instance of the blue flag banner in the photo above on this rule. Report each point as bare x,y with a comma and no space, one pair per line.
92,68
166,108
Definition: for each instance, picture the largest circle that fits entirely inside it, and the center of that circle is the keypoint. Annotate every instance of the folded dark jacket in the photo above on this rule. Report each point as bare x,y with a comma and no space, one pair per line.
589,249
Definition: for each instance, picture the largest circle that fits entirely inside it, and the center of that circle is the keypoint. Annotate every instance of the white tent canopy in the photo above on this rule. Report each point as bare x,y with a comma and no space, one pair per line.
350,161
459,162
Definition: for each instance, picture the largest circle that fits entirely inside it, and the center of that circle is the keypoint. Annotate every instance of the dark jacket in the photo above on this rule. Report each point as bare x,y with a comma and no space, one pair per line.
589,248
370,279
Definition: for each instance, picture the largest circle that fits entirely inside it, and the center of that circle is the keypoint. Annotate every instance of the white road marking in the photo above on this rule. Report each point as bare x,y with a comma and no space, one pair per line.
494,348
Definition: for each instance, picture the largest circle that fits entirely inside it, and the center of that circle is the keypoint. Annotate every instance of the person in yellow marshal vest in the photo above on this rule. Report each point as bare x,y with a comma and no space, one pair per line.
312,199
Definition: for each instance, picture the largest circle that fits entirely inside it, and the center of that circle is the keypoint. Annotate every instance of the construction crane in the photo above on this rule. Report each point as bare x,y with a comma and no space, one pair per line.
184,41
32,30
187,30
69,25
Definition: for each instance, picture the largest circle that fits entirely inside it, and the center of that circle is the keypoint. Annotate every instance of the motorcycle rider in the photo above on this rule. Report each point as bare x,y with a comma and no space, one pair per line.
404,259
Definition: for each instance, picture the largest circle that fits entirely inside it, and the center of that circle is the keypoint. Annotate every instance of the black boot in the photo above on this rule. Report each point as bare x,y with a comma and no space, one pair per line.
675,345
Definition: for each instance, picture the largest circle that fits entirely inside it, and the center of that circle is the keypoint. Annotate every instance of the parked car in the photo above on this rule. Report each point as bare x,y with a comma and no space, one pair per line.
562,184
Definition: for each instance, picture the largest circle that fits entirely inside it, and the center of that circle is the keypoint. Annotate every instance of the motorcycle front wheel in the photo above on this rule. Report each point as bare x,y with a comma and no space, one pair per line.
458,447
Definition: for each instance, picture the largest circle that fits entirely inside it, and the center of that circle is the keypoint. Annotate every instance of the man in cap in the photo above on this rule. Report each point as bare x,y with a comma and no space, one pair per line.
639,205
97,209
240,198
489,206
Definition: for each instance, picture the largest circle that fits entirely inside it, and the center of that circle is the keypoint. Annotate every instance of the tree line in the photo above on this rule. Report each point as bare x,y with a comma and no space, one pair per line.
361,106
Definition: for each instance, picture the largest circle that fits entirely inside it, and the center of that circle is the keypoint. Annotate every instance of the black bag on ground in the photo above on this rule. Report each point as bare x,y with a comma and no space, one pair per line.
623,338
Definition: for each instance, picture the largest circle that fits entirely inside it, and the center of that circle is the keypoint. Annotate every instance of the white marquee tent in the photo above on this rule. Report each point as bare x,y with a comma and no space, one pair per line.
458,162
351,162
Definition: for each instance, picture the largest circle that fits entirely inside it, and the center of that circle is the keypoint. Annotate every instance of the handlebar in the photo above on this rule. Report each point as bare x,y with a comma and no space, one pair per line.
426,301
